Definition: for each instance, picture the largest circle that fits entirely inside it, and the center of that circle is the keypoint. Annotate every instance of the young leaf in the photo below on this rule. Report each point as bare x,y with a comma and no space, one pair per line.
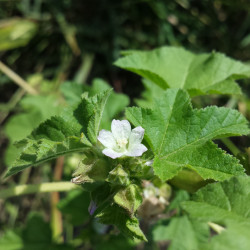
117,216
115,103
63,134
180,136
96,117
172,67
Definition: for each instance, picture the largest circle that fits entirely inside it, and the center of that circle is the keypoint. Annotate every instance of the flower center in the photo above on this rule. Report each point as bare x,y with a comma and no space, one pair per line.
122,143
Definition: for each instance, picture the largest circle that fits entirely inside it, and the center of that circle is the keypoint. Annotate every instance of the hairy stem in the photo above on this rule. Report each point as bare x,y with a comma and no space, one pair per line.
37,188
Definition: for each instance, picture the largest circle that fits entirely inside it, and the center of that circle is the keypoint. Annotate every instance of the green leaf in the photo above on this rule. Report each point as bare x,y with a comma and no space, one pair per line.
182,233
225,203
72,91
75,207
172,67
221,202
115,104
51,139
114,242
180,136
36,233
117,216
236,236
34,110
11,241
129,198
95,120
151,91
61,135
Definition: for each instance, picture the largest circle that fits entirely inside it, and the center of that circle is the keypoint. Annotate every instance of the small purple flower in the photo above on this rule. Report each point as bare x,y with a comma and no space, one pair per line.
92,207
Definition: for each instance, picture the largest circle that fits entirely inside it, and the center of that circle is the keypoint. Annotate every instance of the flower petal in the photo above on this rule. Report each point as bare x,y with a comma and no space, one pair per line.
121,129
136,150
106,138
136,136
111,153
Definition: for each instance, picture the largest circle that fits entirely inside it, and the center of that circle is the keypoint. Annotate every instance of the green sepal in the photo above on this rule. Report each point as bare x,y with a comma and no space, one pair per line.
129,198
118,176
140,170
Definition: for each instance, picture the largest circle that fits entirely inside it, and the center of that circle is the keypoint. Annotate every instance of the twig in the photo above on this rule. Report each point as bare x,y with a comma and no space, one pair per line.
17,79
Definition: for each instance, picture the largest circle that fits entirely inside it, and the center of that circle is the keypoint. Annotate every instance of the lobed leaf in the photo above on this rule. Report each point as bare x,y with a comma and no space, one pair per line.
221,202
172,67
180,136
63,134
225,203
182,233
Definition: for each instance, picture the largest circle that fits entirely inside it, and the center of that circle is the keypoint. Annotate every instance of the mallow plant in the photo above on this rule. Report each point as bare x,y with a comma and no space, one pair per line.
164,139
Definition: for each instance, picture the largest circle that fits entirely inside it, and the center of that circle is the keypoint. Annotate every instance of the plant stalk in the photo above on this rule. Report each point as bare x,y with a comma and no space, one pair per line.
56,216
37,188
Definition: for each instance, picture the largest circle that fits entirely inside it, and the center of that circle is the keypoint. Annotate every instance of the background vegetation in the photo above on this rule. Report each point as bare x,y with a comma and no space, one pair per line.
63,48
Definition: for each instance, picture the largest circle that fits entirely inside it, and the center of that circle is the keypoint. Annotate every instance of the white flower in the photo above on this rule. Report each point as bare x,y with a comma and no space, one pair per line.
122,140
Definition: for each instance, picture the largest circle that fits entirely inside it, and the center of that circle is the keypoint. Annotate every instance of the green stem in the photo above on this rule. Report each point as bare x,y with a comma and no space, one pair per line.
231,146
37,188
